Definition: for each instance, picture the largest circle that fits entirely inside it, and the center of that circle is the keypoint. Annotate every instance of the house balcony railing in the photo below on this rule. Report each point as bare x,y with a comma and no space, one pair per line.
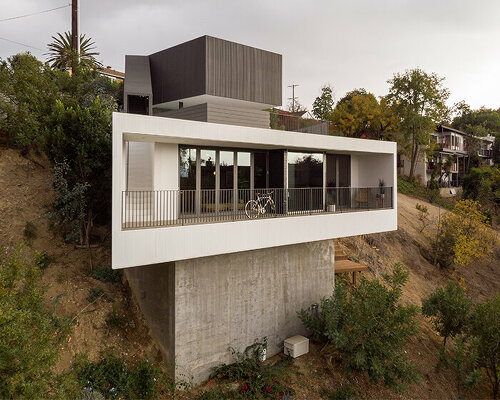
485,153
162,208
295,123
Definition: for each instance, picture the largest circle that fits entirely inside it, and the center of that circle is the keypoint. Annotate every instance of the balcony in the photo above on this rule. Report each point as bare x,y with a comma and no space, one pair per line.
294,123
170,208
485,153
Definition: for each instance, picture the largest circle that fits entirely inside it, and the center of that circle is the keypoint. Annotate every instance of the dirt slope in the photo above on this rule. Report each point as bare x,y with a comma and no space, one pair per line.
25,195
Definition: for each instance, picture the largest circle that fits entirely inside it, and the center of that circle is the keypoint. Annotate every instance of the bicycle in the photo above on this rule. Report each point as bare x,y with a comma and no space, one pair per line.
254,208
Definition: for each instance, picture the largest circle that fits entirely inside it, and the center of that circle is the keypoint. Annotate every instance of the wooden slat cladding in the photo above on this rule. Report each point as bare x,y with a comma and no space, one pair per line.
179,72
242,72
237,116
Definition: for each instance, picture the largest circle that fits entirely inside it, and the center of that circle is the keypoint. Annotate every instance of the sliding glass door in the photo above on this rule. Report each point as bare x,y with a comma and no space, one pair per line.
305,182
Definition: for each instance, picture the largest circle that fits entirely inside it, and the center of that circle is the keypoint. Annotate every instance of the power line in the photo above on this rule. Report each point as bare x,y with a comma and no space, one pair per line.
22,44
35,13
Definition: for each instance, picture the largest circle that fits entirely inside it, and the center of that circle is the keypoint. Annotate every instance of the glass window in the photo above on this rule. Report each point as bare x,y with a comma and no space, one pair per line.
226,169
187,168
259,170
207,164
305,170
243,170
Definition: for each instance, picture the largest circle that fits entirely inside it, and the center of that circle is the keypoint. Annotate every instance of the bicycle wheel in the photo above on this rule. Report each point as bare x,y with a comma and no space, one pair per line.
252,209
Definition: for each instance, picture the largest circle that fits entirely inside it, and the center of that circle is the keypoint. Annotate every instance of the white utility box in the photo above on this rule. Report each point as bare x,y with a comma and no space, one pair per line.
296,346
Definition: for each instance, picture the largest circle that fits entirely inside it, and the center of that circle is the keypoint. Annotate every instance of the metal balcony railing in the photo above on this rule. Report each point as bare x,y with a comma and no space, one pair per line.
294,123
161,208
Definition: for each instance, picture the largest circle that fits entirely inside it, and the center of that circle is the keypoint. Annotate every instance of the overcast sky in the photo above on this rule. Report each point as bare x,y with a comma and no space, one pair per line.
348,44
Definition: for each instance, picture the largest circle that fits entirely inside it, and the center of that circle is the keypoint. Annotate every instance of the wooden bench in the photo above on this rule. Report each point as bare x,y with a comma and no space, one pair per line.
342,266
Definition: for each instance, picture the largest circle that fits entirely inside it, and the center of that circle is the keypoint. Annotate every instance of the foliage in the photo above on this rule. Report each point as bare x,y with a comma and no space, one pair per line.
104,273
255,380
117,377
412,188
464,362
29,232
62,56
81,139
419,101
344,393
360,114
463,234
369,328
483,185
42,259
449,310
31,336
485,326
323,104
423,216
70,204
115,321
28,94
481,122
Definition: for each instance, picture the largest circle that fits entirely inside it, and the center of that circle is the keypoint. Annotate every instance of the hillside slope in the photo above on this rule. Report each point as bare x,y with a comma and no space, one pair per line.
26,195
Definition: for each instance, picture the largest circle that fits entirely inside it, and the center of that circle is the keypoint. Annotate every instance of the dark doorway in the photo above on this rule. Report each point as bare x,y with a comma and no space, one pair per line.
138,104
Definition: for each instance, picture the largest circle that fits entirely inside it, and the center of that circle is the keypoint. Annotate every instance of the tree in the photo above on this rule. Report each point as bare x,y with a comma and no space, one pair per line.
485,326
27,96
360,114
418,99
30,335
448,308
62,56
481,122
463,235
369,327
81,137
323,105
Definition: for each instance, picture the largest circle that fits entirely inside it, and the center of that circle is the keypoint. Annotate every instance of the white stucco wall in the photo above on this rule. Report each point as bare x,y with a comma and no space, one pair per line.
372,160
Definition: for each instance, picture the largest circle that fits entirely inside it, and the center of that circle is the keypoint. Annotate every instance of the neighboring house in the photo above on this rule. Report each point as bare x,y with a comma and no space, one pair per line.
449,142
111,73
191,153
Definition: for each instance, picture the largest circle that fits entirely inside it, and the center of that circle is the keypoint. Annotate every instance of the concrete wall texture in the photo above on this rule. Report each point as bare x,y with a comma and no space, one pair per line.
231,300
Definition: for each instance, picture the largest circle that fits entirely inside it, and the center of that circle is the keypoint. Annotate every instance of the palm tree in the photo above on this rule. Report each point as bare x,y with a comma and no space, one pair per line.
62,56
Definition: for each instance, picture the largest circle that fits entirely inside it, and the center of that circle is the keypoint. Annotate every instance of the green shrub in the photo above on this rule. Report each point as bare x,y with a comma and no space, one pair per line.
345,393
449,310
117,377
485,326
106,274
42,259
464,362
115,321
30,231
369,328
30,335
422,192
254,379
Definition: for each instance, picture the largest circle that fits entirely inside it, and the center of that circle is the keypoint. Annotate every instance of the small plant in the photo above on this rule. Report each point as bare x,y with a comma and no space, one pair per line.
253,378
42,259
30,232
106,274
119,377
464,362
381,187
449,309
369,328
423,216
115,321
344,393
97,293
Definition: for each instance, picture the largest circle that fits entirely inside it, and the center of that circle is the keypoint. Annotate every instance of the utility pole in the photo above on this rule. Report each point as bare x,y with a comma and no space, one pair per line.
75,27
293,98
